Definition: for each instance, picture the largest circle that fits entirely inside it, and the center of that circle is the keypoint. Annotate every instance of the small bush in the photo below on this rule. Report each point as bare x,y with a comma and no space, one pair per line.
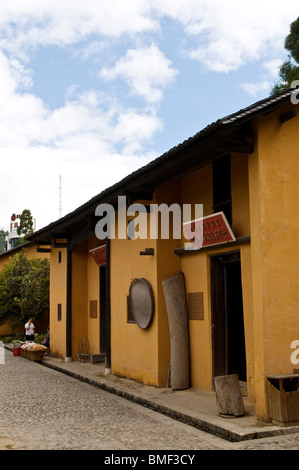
10,339
39,338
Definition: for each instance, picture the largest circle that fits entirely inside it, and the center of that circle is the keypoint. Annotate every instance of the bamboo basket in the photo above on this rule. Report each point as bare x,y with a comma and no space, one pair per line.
32,355
23,352
35,355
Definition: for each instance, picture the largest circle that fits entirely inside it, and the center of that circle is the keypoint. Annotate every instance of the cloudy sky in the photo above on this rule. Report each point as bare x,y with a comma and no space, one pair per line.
92,90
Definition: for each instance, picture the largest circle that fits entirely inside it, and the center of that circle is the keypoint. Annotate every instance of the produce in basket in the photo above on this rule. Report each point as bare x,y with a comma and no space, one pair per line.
33,347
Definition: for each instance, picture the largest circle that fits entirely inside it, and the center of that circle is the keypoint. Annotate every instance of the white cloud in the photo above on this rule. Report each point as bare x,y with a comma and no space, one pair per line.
91,50
272,67
36,23
25,119
146,70
91,139
257,89
227,35
265,82
224,35
20,113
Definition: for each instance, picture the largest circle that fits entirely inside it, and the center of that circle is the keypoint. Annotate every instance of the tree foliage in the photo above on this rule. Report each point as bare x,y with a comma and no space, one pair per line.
24,289
3,234
289,70
26,223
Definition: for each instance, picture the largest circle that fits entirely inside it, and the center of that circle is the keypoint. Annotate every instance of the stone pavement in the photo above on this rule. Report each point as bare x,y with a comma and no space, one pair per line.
192,406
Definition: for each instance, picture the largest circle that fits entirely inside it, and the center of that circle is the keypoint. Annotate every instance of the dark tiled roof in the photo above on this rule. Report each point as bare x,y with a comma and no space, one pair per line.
14,250
258,108
242,116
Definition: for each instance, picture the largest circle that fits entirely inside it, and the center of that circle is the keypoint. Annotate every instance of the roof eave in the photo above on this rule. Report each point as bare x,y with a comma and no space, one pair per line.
168,159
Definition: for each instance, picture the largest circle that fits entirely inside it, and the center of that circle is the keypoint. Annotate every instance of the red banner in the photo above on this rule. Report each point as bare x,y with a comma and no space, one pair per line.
208,231
99,254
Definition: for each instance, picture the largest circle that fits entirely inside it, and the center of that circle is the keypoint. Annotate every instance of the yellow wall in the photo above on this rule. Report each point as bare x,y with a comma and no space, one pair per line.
142,354
85,287
240,195
265,202
6,330
196,271
167,265
196,189
93,293
58,296
133,350
79,296
274,201
29,250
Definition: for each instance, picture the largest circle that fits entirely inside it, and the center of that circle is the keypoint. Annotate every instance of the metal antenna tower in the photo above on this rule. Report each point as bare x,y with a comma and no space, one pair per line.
60,201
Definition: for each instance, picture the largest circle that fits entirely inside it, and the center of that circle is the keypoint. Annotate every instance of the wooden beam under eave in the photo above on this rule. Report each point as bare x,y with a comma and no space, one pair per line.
43,250
233,146
287,116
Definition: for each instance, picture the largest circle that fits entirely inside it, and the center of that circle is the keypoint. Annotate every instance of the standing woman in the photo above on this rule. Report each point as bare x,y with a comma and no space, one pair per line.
29,330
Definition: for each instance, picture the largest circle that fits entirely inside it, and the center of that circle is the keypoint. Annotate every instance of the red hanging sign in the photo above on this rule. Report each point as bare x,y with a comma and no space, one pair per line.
99,254
210,230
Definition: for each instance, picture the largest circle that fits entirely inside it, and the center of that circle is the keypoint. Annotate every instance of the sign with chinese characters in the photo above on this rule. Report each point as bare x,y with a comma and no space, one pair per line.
208,231
99,255
14,222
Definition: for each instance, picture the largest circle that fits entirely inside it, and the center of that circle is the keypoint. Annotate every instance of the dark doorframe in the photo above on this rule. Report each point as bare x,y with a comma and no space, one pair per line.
108,306
102,286
228,336
68,353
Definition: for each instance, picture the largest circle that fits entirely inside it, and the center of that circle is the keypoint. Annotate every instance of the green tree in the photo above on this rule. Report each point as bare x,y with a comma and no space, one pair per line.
3,234
289,70
26,223
24,289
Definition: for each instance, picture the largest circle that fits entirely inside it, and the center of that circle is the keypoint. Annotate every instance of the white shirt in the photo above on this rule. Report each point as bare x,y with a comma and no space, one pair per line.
30,331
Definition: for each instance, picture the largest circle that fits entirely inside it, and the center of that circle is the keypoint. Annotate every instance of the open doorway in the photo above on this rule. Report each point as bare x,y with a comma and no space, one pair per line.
229,356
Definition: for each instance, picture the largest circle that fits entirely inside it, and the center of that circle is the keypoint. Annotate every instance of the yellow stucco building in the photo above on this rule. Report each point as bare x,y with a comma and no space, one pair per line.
242,296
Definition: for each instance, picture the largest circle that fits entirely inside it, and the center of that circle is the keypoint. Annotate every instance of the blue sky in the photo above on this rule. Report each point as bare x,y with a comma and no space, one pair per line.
91,91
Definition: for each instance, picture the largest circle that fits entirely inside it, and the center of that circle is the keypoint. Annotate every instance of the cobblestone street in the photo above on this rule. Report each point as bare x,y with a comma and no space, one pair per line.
42,409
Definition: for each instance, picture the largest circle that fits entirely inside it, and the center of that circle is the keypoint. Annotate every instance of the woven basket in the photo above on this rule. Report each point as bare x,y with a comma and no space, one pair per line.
23,352
35,355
